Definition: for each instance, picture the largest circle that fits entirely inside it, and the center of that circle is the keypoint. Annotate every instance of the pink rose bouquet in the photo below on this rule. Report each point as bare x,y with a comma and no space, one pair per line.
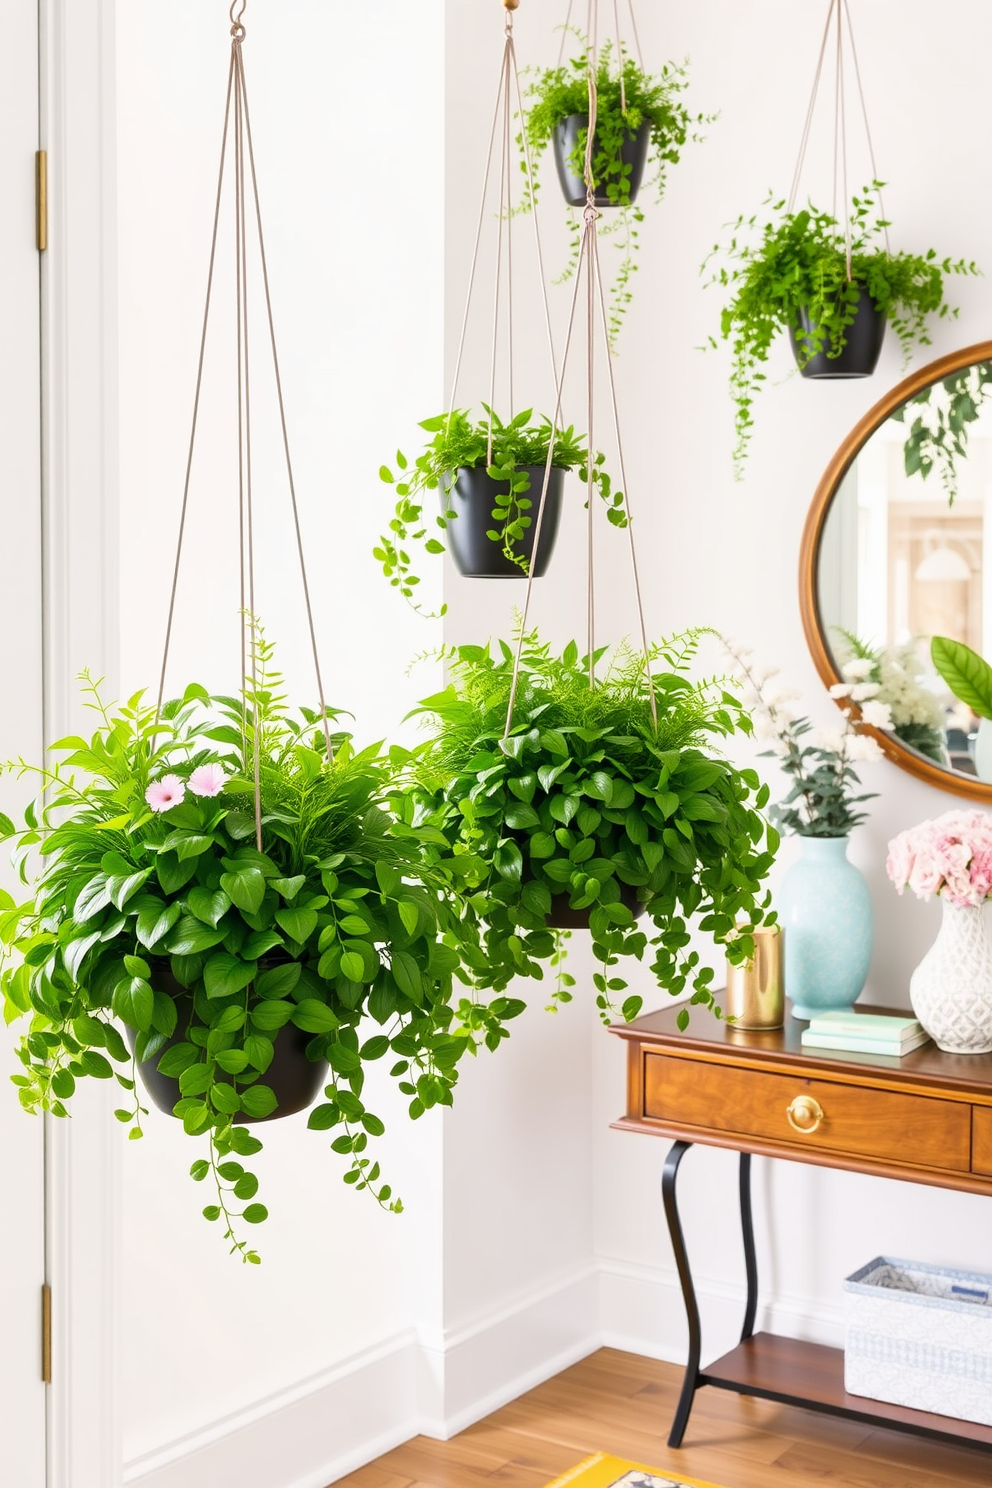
950,857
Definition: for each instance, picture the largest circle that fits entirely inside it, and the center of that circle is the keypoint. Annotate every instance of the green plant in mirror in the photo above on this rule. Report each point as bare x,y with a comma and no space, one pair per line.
559,93
941,416
967,674
153,909
795,263
503,450
584,808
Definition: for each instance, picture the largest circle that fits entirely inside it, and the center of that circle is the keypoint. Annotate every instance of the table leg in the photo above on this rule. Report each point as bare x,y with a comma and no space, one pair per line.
691,1381
750,1256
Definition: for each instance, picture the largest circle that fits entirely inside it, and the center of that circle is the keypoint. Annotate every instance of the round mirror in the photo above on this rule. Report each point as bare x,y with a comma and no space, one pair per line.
893,554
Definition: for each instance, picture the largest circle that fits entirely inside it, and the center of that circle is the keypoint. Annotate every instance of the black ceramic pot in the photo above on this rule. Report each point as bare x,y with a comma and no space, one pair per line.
294,1080
472,499
861,351
633,152
563,917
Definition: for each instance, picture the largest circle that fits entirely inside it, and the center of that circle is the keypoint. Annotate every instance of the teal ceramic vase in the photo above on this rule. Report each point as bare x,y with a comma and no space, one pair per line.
825,910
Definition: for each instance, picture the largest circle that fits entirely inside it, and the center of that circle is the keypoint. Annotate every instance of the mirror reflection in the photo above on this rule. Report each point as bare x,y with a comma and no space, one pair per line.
901,559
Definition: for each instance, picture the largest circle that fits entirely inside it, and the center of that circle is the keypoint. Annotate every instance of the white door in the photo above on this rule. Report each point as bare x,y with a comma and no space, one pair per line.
22,1261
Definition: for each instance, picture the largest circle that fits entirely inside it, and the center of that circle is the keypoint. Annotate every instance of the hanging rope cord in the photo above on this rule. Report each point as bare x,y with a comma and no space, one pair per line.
837,12
244,155
590,262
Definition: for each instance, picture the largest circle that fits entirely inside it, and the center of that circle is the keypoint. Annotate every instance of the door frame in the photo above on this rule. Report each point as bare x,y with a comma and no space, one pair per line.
81,628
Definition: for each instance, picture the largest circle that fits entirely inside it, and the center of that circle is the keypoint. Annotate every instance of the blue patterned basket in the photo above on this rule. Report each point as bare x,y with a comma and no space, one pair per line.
920,1336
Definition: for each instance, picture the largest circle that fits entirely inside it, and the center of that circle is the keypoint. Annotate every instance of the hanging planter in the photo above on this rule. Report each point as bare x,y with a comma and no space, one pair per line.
641,125
294,1078
490,478
621,173
829,279
818,355
472,500
237,890
587,810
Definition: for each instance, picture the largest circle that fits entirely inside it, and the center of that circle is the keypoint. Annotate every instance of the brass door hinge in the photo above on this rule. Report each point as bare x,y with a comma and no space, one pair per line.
46,1335
41,199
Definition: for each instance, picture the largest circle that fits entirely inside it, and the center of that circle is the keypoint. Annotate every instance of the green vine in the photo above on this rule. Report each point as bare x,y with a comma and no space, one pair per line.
938,434
799,265
558,93
459,442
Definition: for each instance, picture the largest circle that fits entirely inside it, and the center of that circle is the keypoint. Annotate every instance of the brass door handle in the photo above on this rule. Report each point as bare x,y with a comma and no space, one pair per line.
805,1114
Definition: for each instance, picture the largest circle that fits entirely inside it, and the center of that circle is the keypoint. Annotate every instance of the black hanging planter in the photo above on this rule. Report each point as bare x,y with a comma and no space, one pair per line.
472,498
861,351
633,152
294,1080
563,917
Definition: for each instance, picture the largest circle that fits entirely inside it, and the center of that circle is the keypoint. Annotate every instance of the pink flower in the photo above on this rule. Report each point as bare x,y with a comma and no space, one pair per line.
162,794
951,857
208,780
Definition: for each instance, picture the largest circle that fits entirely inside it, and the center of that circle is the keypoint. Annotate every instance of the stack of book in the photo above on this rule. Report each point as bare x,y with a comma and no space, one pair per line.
864,1033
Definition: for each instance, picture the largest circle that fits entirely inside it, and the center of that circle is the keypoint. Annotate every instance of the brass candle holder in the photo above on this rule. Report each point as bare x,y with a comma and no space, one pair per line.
755,996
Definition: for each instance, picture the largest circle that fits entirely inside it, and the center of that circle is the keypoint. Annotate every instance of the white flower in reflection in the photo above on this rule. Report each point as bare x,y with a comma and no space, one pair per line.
877,715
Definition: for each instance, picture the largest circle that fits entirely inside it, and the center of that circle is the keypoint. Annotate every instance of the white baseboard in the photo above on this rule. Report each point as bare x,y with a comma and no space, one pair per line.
333,1423
641,1312
303,1437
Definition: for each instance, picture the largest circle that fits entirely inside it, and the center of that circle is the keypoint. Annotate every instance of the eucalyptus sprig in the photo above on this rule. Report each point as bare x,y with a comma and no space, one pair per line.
558,93
155,912
795,263
504,450
585,806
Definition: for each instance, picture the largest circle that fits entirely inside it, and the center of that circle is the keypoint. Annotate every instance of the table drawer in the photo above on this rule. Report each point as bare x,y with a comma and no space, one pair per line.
918,1130
981,1146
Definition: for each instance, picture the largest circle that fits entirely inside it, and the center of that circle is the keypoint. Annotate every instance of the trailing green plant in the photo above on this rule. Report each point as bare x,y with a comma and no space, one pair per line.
503,450
142,859
558,93
584,804
938,434
798,265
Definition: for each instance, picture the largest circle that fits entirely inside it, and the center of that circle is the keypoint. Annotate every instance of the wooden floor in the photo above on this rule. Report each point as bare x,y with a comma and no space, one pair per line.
623,1404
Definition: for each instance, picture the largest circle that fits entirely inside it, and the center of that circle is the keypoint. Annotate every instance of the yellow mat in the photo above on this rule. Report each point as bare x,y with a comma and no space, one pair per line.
601,1471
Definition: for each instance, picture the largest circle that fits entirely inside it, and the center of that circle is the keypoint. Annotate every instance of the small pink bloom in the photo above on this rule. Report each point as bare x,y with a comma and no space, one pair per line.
208,780
162,794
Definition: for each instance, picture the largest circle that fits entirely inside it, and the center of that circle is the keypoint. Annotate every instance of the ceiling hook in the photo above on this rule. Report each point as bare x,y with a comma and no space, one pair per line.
237,29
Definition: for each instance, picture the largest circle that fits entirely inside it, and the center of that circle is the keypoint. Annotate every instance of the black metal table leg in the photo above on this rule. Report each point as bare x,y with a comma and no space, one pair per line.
691,1382
750,1256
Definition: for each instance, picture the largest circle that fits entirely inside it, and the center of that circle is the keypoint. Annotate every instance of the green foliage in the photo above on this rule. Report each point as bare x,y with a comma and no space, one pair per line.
504,450
585,803
938,435
560,92
335,919
967,674
799,265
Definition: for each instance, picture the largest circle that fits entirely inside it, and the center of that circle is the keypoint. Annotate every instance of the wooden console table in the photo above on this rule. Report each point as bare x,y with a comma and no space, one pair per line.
925,1118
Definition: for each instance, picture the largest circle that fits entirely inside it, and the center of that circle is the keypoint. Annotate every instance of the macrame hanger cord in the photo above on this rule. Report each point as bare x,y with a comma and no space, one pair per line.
564,32
282,418
811,108
238,96
184,508
623,83
864,115
590,217
840,142
637,39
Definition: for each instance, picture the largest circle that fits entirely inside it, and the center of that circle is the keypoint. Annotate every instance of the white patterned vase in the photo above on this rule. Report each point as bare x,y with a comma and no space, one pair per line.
951,989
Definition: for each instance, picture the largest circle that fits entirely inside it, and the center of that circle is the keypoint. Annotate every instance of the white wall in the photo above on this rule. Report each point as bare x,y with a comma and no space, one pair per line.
522,1197
723,554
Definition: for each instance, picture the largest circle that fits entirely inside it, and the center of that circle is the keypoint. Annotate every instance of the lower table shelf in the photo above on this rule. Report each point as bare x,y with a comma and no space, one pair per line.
776,1368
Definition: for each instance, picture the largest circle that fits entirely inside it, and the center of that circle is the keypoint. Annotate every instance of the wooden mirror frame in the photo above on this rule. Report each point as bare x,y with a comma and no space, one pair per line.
809,556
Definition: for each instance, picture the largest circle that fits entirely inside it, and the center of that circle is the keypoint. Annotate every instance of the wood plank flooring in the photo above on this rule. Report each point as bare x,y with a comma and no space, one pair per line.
623,1404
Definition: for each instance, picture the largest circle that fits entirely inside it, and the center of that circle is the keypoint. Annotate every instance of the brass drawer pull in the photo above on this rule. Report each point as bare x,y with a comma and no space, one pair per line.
805,1114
